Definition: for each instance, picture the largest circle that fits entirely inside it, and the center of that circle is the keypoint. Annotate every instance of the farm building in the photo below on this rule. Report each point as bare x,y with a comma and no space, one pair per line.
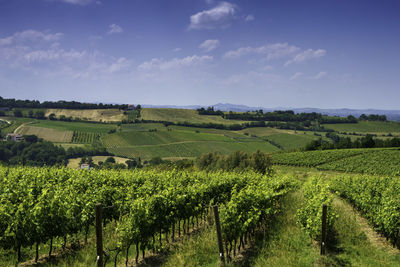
13,137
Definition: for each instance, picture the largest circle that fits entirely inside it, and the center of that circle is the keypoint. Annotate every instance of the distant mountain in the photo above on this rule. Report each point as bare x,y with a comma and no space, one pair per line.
393,115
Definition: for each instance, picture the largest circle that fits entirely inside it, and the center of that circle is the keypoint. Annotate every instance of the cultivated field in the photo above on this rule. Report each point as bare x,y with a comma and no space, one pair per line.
101,115
151,140
76,126
291,141
48,134
15,123
182,115
74,163
190,149
376,161
366,127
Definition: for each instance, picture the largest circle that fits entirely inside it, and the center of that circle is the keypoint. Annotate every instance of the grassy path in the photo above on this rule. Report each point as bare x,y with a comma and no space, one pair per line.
357,243
287,244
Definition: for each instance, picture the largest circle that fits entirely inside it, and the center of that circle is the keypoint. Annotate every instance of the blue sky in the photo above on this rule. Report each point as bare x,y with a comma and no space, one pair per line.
270,53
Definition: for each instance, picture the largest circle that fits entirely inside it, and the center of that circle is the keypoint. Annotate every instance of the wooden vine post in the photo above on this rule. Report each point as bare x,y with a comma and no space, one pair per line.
219,234
99,235
323,231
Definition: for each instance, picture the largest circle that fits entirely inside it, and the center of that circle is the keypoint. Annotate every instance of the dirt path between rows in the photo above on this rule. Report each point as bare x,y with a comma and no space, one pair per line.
374,238
6,121
22,125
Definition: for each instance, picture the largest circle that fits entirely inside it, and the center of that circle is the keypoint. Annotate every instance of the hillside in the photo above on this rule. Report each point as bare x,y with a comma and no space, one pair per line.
181,115
148,140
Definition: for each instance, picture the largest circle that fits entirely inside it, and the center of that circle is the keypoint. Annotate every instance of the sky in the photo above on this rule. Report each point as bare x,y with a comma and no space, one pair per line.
263,53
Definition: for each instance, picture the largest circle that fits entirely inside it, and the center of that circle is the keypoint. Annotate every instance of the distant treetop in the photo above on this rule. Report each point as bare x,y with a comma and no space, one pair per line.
13,103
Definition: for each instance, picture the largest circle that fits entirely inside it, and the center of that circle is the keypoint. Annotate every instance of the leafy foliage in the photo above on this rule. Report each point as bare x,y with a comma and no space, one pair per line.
258,161
39,204
378,198
316,194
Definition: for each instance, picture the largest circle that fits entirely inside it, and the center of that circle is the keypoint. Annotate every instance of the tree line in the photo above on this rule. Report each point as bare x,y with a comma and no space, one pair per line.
16,103
238,161
288,116
338,142
34,151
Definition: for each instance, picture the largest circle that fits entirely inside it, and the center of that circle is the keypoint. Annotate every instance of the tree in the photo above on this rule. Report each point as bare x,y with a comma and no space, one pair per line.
261,162
110,160
133,163
17,113
52,117
39,115
156,161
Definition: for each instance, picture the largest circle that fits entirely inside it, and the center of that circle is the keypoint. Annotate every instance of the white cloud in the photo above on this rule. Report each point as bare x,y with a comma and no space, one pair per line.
95,38
219,16
306,55
120,64
268,68
272,51
296,76
249,18
177,49
40,52
209,45
53,55
114,28
320,75
162,65
30,36
251,78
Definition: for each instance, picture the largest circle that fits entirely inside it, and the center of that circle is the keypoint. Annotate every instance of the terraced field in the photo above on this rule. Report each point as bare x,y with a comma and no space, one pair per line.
52,135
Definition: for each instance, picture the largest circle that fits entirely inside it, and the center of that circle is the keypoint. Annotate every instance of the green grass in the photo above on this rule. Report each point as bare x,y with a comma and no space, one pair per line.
15,123
353,247
48,134
200,250
68,145
85,137
319,157
101,115
287,244
178,142
159,137
378,162
366,127
74,162
263,131
291,141
76,126
189,149
181,115
132,114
